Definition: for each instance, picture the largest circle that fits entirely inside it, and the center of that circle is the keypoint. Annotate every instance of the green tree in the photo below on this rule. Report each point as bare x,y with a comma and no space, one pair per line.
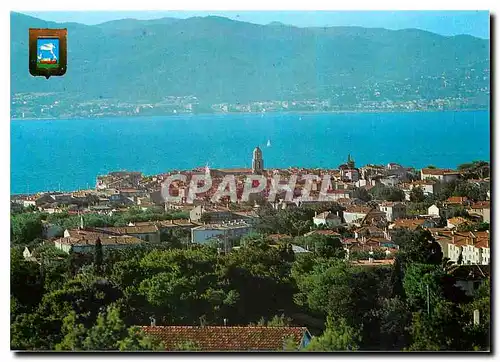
417,195
325,246
26,281
440,331
98,257
276,321
394,319
362,194
108,333
338,336
417,246
206,218
74,334
25,228
424,282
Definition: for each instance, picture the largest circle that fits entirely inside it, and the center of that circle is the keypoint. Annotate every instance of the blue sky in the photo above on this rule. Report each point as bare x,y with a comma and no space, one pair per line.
474,23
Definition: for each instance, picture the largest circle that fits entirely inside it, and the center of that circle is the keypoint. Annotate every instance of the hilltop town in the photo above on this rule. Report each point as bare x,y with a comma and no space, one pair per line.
376,219
372,200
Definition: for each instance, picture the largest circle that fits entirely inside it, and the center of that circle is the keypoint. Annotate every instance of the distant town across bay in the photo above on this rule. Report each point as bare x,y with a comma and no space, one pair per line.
58,106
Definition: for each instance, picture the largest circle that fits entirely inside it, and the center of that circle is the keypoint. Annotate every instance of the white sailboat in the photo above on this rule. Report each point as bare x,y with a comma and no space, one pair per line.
268,143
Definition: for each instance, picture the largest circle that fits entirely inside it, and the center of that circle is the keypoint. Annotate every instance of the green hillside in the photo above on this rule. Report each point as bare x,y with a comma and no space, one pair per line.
221,60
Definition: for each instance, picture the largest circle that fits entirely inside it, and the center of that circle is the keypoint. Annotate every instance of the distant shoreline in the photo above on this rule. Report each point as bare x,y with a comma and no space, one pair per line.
253,113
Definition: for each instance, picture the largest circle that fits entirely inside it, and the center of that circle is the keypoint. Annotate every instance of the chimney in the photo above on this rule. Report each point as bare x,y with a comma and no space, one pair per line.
225,322
153,321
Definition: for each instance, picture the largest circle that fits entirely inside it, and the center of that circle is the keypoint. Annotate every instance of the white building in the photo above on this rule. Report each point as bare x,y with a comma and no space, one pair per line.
390,181
443,175
474,248
393,210
429,187
350,174
355,214
229,231
86,243
327,218
482,209
442,211
455,222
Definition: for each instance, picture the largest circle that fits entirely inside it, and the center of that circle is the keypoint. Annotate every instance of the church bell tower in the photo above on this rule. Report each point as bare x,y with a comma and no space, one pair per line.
257,162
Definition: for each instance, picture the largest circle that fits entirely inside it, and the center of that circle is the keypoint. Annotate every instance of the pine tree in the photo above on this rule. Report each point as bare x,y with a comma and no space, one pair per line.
98,255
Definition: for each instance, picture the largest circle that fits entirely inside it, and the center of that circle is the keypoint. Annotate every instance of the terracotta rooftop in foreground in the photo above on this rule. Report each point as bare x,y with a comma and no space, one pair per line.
221,338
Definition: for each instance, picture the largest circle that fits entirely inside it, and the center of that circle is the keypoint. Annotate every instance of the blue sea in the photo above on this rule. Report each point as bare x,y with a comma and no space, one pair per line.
69,154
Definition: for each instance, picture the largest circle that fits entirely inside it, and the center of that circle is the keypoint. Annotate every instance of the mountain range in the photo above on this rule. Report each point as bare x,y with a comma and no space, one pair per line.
220,60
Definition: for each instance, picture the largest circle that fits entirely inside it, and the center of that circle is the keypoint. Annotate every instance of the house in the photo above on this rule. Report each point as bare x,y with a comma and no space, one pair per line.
84,241
458,240
473,247
45,198
443,238
470,277
373,262
227,231
442,175
279,238
327,218
214,215
121,199
370,245
359,214
428,186
456,222
28,254
412,224
146,231
119,179
481,208
393,210
457,201
323,232
443,211
144,203
477,251
390,181
230,338
371,231
299,249
282,204
50,231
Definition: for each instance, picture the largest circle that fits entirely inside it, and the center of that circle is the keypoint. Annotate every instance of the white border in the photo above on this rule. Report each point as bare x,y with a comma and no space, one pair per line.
184,5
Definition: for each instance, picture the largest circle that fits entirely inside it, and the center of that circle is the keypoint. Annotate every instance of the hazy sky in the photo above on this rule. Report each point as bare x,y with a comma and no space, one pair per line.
475,23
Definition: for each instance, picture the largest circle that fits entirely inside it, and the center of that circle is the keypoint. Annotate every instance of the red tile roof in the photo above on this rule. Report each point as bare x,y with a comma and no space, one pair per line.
277,237
456,200
373,263
437,171
322,232
481,205
411,224
220,338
